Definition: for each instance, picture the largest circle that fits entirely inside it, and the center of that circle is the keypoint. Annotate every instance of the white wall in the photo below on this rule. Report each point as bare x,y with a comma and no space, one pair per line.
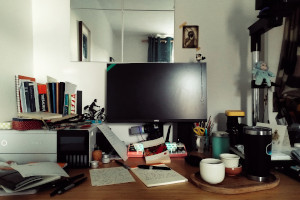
15,50
134,49
224,40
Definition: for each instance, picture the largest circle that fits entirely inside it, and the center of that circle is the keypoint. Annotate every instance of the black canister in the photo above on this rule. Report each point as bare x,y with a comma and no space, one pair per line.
258,149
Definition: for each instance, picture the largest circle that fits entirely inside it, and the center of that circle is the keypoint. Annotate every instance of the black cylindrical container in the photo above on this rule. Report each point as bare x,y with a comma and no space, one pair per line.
258,149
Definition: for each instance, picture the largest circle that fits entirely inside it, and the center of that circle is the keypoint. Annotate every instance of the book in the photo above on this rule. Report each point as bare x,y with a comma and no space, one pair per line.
36,97
31,96
17,89
40,115
151,177
13,180
61,97
26,94
79,102
72,104
70,97
42,96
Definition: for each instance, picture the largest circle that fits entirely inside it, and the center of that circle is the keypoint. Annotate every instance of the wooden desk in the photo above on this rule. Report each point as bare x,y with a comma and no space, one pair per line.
287,188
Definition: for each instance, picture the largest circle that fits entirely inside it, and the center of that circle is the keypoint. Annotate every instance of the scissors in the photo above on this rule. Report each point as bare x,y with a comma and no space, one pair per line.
199,130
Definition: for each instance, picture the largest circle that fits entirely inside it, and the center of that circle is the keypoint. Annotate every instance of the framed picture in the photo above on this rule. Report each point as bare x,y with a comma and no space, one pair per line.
190,37
84,42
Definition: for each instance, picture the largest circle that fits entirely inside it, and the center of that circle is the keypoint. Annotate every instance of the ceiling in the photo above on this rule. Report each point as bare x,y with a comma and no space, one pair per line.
142,17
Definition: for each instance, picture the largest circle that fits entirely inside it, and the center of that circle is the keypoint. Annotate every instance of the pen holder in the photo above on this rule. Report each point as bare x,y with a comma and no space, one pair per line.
202,143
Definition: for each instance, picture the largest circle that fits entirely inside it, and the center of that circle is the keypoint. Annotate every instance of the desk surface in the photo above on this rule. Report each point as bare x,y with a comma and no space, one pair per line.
287,188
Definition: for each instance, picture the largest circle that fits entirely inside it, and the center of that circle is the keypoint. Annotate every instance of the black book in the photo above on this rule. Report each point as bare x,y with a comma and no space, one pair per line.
79,102
27,98
61,99
13,180
31,96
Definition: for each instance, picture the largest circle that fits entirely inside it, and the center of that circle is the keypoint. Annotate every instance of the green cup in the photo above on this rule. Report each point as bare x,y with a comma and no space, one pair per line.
220,143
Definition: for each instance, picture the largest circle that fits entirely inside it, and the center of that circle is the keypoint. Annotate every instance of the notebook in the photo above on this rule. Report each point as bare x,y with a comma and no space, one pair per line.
151,177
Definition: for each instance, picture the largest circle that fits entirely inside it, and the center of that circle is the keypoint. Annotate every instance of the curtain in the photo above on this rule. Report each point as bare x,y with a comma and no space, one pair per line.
287,91
160,49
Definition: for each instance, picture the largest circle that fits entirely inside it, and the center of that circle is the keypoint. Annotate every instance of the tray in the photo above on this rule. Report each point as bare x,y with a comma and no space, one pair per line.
235,184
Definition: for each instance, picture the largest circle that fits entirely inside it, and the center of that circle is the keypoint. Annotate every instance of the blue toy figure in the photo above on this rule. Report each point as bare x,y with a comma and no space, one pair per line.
261,72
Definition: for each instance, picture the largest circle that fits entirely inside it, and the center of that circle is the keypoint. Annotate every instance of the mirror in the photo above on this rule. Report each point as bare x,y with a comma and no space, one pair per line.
119,29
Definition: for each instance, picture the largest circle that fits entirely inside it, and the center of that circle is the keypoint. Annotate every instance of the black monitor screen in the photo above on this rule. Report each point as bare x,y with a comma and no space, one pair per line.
156,92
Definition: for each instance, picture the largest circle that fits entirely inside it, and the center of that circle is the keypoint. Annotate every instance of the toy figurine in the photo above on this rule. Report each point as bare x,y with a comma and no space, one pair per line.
261,72
94,112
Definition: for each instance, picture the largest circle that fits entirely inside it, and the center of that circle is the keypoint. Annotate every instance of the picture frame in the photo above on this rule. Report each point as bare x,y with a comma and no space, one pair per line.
190,36
84,42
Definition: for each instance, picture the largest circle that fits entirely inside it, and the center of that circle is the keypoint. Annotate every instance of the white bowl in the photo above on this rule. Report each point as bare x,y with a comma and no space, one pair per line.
212,170
230,160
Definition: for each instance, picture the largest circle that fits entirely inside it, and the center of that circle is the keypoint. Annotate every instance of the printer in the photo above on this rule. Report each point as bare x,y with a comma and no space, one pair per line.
28,146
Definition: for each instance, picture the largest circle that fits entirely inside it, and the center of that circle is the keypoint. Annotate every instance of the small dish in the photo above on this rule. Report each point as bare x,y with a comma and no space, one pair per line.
233,171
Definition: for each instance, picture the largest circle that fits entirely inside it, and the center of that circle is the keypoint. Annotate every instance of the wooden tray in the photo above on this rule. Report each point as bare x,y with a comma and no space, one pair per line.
235,184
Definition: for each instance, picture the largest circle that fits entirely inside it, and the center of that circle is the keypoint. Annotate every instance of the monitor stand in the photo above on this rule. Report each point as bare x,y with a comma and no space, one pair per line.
154,130
183,132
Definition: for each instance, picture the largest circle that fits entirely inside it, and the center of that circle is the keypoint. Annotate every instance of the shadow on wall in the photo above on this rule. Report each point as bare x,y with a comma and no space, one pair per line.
220,119
239,33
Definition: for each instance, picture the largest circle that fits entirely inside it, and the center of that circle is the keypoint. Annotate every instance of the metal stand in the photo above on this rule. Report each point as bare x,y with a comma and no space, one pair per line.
260,93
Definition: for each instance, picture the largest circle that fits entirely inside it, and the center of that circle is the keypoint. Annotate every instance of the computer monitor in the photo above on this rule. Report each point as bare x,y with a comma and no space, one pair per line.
156,92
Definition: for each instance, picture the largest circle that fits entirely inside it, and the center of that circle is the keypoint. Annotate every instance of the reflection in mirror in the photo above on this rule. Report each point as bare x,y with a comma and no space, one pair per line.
105,38
148,36
120,29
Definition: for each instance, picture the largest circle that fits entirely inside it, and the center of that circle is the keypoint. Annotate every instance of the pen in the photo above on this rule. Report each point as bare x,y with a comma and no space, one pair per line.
63,182
120,163
153,167
68,187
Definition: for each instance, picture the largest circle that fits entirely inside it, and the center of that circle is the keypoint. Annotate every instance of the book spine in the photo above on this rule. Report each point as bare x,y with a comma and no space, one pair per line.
27,99
43,97
49,97
61,97
36,97
57,97
17,88
53,97
31,96
73,104
22,96
66,106
79,102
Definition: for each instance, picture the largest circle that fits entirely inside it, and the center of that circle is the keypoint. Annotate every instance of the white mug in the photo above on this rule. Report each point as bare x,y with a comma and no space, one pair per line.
212,170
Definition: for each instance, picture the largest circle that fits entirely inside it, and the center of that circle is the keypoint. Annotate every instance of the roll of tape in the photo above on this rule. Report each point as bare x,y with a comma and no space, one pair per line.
5,125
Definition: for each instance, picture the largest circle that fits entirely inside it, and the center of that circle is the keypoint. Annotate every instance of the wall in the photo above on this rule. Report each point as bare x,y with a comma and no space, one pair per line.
16,51
224,40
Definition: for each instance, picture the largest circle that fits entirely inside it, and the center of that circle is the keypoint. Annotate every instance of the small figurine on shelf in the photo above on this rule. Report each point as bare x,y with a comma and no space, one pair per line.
199,57
94,112
261,72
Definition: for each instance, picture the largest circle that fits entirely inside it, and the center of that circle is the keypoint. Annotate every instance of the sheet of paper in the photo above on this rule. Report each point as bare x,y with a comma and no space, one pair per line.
151,177
117,144
110,176
279,134
40,169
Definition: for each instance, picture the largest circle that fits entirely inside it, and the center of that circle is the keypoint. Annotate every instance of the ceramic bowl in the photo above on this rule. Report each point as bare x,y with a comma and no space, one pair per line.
230,160
212,170
233,171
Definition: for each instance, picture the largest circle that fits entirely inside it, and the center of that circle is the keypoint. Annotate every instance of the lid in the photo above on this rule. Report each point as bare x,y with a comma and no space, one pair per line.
220,134
234,113
257,130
